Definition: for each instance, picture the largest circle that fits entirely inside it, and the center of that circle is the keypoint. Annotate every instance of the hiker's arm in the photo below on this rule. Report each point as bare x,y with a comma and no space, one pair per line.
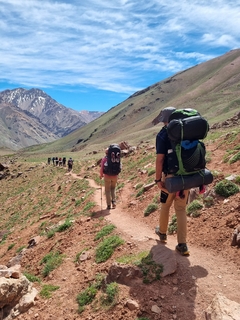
159,168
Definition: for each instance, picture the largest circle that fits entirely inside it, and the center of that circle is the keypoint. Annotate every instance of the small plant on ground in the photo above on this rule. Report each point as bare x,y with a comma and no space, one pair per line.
120,186
133,259
238,179
235,158
193,209
156,198
226,188
208,201
150,269
150,208
20,249
51,261
31,277
140,192
47,290
106,230
51,233
110,296
10,246
172,227
89,206
86,297
138,186
67,224
106,248
151,171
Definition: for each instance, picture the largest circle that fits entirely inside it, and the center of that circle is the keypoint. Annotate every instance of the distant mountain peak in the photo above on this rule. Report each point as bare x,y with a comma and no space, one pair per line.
54,119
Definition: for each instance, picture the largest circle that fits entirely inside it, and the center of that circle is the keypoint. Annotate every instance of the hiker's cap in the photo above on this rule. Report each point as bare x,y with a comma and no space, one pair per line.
165,114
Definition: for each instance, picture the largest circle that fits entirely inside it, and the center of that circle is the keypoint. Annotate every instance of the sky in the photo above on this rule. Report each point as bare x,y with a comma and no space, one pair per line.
93,54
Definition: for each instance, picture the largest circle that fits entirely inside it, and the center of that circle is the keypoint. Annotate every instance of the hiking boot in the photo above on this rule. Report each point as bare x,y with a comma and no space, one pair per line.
108,207
182,249
113,204
162,236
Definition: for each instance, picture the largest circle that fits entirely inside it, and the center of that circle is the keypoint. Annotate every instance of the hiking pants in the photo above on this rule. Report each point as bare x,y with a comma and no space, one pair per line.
110,188
180,210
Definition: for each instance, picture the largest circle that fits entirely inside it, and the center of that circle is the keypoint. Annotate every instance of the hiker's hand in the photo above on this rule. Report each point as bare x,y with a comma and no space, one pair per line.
161,186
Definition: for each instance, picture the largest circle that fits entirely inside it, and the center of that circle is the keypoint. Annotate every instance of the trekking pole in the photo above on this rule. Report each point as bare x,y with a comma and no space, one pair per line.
101,195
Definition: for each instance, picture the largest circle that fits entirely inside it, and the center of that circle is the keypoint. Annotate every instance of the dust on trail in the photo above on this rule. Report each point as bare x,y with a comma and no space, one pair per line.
211,272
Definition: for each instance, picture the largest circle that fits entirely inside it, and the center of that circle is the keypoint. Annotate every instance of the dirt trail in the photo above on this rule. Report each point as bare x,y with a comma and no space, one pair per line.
208,272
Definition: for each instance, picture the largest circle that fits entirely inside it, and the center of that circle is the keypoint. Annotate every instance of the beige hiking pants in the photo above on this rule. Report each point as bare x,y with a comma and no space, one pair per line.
110,188
180,210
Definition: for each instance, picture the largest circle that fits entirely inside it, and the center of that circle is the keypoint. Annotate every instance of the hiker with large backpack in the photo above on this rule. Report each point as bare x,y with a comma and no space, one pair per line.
163,144
180,165
110,168
70,164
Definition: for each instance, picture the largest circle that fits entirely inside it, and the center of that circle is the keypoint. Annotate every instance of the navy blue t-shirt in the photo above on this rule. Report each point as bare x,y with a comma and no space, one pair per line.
163,144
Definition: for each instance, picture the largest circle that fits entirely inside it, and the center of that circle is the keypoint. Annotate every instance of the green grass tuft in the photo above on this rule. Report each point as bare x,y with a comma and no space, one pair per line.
106,248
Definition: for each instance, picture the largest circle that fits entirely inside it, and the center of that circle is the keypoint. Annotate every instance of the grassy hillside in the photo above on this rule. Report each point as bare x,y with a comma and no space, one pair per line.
213,88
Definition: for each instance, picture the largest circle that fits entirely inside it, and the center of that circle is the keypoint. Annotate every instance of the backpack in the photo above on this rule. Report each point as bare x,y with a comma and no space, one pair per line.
186,158
112,165
70,162
187,153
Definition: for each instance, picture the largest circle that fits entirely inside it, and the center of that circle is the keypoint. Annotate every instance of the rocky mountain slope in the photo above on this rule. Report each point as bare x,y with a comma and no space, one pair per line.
213,88
30,117
46,211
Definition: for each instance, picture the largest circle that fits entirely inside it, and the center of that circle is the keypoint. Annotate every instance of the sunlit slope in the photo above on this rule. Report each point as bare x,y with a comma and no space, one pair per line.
213,88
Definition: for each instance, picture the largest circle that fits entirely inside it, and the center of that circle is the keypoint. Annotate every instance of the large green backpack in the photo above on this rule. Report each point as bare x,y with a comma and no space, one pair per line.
187,154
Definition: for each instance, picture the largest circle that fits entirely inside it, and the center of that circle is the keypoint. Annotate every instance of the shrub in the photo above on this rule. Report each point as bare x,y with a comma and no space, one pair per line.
238,179
150,208
151,172
235,158
106,248
52,260
10,246
226,188
140,192
20,249
106,230
172,228
193,208
150,269
109,298
208,201
31,277
47,290
67,224
138,186
86,297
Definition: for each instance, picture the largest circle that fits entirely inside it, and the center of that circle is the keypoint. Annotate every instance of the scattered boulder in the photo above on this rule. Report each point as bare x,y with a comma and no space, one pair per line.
222,308
236,237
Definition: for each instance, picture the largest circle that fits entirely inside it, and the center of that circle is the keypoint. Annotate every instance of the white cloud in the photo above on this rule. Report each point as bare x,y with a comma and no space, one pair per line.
109,44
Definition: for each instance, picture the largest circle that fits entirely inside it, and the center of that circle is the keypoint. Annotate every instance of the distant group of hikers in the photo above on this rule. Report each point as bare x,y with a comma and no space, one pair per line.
58,161
180,166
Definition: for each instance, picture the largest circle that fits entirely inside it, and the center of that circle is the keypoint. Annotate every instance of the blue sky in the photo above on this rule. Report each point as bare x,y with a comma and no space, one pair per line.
93,54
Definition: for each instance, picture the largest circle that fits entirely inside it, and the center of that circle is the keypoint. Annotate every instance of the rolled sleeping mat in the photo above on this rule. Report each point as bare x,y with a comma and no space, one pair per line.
177,183
192,128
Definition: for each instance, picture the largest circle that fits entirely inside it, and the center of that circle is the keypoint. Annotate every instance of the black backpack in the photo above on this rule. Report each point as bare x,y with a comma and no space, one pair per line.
187,155
112,165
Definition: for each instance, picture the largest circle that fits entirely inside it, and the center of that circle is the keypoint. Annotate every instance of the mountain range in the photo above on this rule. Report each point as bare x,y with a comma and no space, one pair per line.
212,87
30,117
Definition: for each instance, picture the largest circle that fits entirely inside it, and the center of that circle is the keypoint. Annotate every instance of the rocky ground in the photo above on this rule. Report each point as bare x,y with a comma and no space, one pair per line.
188,285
